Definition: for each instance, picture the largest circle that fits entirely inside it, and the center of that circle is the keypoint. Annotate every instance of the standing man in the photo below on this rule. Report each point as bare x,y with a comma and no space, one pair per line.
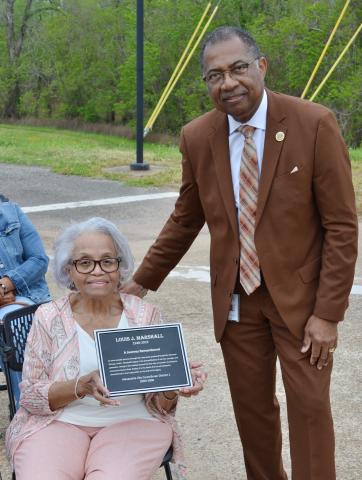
270,175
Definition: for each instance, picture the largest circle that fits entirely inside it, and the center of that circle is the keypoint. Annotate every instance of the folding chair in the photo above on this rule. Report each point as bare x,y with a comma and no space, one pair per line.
14,330
13,334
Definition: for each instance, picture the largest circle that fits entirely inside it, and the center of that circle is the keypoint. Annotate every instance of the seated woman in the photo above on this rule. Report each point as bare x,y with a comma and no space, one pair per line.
23,264
67,427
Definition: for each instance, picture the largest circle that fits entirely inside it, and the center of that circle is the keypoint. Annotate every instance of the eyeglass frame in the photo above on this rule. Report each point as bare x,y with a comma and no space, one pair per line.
96,262
242,64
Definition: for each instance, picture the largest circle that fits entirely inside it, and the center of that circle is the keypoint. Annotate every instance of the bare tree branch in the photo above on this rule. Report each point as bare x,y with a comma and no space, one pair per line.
23,28
10,34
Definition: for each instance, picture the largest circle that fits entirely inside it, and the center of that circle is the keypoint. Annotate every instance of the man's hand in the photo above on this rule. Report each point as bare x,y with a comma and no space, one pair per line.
321,336
133,288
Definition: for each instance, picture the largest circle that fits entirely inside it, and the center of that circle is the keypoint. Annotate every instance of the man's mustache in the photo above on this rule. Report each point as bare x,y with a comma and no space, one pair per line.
226,96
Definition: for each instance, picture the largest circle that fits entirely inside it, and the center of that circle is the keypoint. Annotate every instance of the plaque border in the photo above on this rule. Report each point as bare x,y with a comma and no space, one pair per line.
104,331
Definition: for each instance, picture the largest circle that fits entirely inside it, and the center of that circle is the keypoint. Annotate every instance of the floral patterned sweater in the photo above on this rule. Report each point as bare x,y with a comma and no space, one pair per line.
52,355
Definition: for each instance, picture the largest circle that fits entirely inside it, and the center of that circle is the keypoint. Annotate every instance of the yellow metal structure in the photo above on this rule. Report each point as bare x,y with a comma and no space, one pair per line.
336,62
325,49
158,107
181,67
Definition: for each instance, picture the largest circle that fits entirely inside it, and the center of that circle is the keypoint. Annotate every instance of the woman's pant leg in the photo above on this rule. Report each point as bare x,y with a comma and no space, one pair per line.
57,452
130,450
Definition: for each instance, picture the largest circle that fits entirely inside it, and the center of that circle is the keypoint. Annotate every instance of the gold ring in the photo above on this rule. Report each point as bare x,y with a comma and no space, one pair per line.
332,350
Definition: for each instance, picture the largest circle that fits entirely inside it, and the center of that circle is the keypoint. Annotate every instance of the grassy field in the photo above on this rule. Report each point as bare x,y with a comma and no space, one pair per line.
69,152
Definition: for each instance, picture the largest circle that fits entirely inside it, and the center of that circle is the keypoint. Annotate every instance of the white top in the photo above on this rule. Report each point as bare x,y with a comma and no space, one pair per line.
236,142
87,411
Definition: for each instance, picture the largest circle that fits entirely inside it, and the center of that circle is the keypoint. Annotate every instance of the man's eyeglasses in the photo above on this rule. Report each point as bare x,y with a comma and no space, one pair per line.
237,71
87,265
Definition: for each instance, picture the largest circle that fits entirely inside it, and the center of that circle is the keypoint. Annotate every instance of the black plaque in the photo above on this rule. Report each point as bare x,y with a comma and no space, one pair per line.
142,359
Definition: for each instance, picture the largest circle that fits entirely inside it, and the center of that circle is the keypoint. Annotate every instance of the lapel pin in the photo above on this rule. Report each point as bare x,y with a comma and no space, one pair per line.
279,136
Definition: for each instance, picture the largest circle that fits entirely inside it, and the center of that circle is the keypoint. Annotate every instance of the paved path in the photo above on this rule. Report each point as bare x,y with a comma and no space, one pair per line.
210,437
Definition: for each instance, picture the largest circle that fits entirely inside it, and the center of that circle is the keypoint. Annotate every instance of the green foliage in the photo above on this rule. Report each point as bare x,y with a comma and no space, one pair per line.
78,58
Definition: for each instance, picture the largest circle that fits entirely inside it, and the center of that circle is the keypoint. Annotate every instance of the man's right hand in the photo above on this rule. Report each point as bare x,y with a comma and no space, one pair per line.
133,288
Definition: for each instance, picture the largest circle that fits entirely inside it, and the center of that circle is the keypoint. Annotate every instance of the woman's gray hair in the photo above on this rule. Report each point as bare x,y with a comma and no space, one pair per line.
64,246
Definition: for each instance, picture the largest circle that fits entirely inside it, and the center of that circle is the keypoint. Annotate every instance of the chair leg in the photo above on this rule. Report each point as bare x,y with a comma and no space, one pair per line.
168,471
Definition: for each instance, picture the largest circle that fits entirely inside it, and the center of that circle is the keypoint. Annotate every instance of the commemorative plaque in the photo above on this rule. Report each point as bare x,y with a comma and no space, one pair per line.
142,359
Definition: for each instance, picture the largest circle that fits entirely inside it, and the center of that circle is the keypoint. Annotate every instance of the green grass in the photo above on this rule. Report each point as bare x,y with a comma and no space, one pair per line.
70,152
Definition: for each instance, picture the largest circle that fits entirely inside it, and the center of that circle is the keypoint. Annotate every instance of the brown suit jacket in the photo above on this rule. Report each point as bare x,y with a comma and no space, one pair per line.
306,224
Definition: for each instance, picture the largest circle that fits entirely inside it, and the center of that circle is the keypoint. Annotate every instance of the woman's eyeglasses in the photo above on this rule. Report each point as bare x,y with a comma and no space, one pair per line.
87,265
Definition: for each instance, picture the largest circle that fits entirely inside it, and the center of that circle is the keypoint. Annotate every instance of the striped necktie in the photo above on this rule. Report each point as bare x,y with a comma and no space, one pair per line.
249,184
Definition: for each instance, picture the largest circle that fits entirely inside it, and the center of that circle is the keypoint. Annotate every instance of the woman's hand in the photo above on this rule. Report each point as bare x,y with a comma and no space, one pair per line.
168,399
63,393
6,298
6,287
91,384
198,379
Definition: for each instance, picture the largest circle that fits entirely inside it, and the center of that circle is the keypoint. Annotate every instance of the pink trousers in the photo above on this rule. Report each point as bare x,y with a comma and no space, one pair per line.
130,450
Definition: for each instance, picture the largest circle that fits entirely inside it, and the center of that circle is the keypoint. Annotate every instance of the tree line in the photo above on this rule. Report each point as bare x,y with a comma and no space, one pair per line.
75,59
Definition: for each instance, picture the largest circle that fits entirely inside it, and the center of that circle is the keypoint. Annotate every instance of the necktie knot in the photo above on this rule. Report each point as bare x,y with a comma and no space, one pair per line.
247,130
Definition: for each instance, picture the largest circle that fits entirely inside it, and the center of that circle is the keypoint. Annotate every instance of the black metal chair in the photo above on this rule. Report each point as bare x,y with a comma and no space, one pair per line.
14,330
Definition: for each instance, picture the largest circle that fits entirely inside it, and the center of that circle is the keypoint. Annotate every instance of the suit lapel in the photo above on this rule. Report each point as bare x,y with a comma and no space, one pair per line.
219,144
272,151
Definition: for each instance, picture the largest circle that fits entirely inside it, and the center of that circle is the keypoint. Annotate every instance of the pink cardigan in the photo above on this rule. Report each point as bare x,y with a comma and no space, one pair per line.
52,355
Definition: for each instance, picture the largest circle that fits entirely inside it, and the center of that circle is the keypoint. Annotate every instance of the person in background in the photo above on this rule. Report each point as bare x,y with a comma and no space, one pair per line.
270,175
23,265
67,427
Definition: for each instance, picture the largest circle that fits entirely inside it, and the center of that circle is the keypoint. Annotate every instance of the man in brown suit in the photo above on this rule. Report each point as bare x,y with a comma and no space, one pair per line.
304,238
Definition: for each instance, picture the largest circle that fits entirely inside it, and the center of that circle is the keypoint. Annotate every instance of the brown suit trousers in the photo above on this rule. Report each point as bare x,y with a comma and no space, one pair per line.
250,348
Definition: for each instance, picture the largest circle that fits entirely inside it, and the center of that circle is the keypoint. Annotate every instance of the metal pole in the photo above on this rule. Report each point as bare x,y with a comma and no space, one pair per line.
139,165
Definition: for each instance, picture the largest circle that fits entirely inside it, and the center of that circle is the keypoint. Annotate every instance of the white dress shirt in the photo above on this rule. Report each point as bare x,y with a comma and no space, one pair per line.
236,142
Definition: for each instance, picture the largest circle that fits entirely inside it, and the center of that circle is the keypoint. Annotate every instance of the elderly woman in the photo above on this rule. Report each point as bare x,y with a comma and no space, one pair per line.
62,429
23,264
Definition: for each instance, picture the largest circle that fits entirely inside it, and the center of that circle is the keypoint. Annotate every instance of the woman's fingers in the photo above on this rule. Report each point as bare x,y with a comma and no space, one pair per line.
93,384
195,365
199,377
